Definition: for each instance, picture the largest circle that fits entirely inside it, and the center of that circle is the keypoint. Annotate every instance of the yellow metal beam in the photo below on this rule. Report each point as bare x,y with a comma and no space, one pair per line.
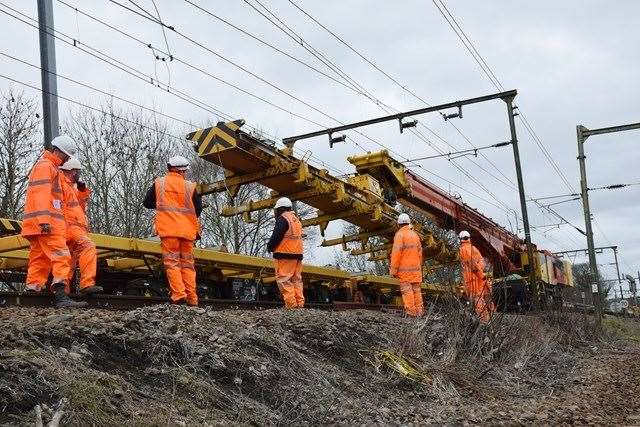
17,254
236,181
371,249
379,257
380,164
126,253
269,203
12,243
125,263
9,263
356,237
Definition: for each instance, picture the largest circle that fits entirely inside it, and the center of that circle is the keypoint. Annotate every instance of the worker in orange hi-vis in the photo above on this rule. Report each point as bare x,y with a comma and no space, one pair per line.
178,206
476,286
44,223
286,245
406,265
83,250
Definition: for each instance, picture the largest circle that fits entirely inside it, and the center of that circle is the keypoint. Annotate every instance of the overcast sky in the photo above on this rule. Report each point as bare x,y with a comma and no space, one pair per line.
572,62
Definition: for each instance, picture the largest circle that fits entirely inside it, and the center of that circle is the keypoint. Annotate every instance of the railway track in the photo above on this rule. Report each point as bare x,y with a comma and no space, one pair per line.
128,302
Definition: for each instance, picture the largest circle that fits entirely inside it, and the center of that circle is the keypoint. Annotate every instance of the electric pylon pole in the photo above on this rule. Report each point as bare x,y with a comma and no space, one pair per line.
582,134
48,70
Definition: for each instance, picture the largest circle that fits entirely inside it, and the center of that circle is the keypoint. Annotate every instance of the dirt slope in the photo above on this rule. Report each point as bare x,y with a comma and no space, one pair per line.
175,365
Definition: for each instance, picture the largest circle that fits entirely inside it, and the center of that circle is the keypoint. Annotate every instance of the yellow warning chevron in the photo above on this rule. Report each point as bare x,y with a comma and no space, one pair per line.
213,139
9,227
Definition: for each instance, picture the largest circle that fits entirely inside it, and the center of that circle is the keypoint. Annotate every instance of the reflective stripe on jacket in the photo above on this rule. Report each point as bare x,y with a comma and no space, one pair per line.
75,210
43,204
291,243
175,212
406,256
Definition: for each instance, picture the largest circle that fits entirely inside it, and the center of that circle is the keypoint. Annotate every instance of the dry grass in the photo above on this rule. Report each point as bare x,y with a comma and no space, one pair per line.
174,366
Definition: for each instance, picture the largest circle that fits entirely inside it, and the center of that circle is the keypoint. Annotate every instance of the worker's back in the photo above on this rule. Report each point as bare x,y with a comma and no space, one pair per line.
472,268
43,204
175,211
406,255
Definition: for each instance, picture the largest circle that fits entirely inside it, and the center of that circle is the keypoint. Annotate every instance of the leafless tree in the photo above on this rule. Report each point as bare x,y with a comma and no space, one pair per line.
583,282
234,233
122,152
19,124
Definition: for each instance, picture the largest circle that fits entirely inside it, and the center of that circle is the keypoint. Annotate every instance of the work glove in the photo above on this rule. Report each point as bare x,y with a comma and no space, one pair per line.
81,185
45,228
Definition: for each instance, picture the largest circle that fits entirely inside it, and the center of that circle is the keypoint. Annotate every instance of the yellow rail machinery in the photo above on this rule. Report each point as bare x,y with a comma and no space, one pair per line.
357,199
131,265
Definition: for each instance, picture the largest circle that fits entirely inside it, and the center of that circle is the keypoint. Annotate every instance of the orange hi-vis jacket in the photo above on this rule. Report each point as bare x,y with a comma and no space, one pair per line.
44,201
472,268
75,205
406,256
291,243
175,212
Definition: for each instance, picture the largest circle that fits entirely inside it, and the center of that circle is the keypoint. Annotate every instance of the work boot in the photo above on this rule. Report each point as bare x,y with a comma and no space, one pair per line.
62,300
181,301
90,290
33,289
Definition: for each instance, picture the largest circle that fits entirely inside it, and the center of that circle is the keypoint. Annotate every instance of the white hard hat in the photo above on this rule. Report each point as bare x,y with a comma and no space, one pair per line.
283,202
178,162
403,218
71,164
65,144
464,234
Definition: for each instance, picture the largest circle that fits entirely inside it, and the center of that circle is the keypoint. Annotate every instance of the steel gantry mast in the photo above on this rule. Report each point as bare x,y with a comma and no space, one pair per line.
582,134
506,96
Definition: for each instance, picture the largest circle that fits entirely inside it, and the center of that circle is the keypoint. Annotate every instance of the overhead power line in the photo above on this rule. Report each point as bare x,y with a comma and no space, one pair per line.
409,91
179,60
139,75
470,151
496,82
109,94
296,98
271,46
509,182
488,72
90,107
614,186
553,212
120,65
282,26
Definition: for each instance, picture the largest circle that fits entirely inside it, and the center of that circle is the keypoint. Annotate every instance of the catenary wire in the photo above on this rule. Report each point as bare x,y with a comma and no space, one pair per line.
362,134
140,75
323,59
398,83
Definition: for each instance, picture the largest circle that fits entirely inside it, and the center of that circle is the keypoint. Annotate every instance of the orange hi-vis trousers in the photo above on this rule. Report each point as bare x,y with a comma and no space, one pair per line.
478,290
48,253
83,254
177,257
289,280
412,298
483,304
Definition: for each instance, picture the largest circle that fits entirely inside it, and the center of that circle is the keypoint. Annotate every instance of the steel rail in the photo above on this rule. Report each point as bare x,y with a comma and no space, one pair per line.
128,302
